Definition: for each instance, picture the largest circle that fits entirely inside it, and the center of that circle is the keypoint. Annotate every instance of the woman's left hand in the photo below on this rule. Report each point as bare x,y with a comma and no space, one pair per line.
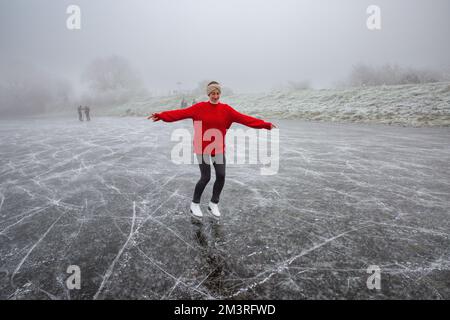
272,125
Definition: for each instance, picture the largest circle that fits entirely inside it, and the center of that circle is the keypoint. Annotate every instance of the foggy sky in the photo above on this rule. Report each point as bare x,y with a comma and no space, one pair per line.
248,45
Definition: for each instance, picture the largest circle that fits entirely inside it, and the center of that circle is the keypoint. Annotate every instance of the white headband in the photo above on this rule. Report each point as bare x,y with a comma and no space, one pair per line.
213,87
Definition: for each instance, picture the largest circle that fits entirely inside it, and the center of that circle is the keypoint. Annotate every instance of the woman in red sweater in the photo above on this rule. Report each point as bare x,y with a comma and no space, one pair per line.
211,120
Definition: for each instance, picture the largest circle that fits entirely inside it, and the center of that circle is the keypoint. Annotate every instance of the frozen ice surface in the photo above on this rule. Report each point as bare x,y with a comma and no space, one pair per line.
105,196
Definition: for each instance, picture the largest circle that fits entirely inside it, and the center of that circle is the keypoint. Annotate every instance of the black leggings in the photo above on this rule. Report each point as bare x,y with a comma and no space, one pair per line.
205,170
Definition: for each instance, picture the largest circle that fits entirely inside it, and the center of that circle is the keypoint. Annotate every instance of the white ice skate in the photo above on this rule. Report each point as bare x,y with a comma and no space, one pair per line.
195,210
214,209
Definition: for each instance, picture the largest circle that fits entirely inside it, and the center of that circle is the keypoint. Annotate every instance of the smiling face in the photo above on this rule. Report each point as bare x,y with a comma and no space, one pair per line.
214,96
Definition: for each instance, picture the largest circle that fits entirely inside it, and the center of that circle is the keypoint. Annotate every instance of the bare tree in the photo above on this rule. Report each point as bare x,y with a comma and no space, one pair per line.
112,80
363,75
26,90
299,85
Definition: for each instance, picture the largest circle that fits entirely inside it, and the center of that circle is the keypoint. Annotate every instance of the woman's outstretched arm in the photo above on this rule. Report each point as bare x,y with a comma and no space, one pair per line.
250,121
174,115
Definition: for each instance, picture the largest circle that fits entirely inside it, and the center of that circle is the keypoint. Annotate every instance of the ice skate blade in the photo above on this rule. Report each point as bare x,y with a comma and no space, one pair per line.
210,211
193,215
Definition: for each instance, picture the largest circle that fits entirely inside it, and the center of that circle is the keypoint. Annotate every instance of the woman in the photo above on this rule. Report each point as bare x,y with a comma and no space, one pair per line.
216,117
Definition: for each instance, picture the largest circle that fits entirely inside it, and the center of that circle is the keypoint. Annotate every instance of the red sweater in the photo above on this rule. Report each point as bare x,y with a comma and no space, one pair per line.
205,116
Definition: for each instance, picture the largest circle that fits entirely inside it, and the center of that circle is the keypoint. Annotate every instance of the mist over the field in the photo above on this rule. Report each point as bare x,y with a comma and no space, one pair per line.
124,51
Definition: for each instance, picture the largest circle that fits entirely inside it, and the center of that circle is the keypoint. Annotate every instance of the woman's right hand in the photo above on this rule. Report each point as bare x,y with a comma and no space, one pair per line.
154,117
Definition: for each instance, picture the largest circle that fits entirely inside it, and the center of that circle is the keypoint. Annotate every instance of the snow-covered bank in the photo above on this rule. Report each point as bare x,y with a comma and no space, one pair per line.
409,105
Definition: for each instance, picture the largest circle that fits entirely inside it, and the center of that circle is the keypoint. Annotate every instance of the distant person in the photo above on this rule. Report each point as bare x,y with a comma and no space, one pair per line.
183,103
80,113
86,112
194,101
